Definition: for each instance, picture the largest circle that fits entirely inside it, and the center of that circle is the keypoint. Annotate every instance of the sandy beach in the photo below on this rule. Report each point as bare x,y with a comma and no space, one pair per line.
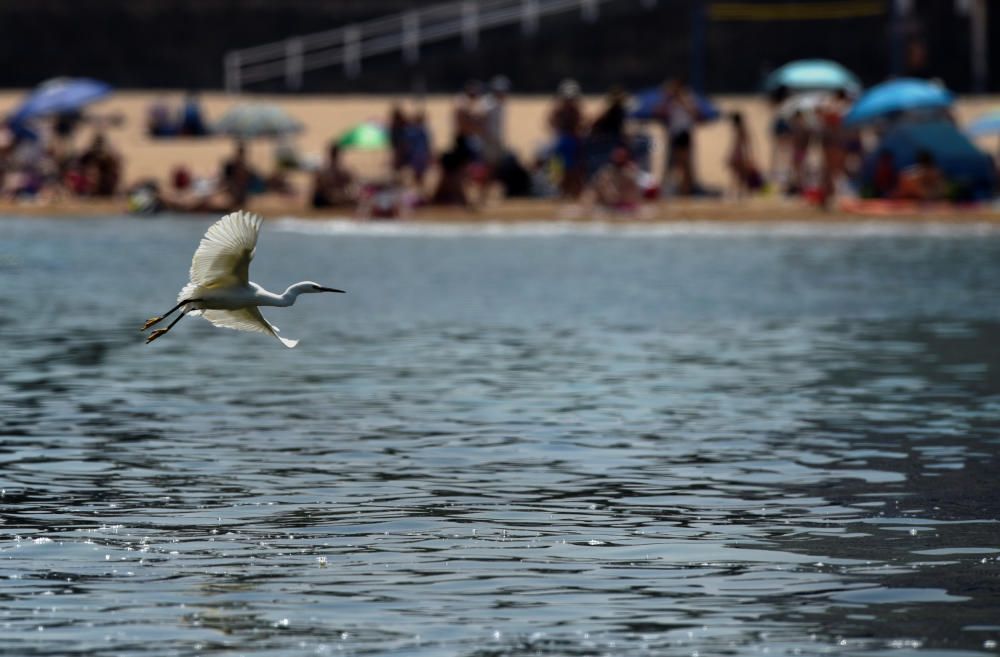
326,117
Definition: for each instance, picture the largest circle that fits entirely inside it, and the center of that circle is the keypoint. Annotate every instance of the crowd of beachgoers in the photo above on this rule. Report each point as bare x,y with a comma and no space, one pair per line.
603,161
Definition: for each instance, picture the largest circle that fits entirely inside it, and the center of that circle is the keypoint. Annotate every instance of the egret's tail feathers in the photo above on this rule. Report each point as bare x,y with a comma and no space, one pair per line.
285,341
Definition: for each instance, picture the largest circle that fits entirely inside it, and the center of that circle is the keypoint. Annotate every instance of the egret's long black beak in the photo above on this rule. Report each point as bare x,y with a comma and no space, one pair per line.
329,289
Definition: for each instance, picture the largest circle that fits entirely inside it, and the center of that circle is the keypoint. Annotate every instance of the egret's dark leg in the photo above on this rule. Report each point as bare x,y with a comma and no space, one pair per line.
153,321
158,332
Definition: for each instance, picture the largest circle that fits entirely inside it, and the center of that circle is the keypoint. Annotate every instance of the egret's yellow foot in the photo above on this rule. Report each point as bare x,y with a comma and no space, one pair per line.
150,322
155,334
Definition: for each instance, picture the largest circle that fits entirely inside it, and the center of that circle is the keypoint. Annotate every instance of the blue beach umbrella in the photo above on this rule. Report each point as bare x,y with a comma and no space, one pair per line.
813,75
646,102
22,130
985,124
969,169
61,95
898,96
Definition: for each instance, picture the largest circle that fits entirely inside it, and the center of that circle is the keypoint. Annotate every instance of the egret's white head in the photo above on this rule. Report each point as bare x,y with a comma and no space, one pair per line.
308,287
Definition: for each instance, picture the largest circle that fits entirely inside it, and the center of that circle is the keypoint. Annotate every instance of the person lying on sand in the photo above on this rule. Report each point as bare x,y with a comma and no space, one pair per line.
922,181
616,185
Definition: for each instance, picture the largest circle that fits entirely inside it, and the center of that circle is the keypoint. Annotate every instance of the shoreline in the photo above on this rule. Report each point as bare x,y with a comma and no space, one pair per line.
766,210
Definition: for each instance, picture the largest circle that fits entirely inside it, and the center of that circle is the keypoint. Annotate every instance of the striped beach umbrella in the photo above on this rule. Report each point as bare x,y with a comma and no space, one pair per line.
251,120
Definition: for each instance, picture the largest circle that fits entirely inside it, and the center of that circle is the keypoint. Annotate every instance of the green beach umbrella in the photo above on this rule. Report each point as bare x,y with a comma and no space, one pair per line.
365,136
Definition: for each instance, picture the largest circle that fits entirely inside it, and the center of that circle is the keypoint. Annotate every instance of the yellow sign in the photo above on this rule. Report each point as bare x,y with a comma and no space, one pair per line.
796,11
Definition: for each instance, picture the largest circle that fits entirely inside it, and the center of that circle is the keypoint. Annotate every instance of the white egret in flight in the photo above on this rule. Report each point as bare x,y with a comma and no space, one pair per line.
220,289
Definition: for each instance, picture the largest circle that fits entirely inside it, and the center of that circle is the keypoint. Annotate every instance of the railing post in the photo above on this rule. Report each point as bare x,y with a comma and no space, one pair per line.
470,25
352,51
411,37
899,10
529,17
232,72
979,39
293,63
589,9
699,30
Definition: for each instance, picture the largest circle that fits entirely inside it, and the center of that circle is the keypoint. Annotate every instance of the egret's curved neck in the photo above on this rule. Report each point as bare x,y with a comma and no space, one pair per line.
289,296
286,298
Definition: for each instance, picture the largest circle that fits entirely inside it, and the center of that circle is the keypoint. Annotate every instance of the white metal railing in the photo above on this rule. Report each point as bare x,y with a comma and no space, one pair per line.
405,32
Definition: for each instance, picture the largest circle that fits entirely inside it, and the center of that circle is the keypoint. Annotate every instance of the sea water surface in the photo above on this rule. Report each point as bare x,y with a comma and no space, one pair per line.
530,440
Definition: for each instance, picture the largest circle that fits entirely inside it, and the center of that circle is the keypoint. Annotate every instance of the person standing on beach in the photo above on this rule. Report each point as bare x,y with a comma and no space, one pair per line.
679,112
801,138
495,120
781,141
831,115
494,137
745,175
418,147
468,121
467,153
397,139
610,125
566,120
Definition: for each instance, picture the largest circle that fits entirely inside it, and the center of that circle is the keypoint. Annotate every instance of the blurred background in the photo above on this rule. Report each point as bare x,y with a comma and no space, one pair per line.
527,108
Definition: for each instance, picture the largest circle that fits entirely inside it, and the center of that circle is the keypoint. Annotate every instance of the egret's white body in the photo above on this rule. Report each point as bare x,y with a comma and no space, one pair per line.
220,289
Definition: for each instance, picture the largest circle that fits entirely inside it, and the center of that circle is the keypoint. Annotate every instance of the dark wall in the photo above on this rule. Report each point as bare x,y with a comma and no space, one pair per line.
180,44
156,43
633,46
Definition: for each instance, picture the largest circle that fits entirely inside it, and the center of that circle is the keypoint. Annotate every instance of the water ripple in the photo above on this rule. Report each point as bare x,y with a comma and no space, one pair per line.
584,445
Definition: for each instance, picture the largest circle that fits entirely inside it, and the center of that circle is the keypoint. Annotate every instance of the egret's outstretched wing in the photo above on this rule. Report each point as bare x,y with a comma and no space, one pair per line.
245,319
224,255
